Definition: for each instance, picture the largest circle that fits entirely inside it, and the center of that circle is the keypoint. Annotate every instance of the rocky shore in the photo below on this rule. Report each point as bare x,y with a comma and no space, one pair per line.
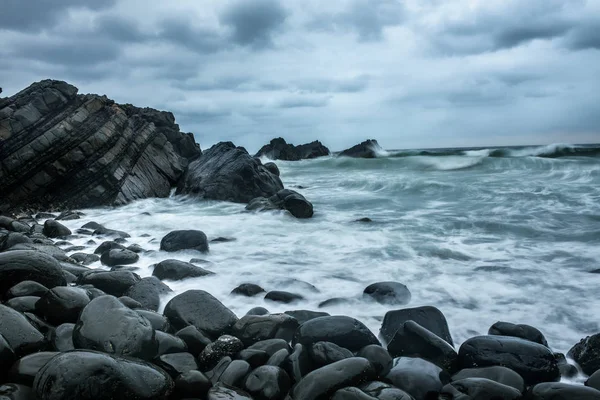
68,331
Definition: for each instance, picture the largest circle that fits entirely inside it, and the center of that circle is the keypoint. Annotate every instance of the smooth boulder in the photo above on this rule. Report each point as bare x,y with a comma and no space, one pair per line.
185,240
428,317
119,257
62,304
115,283
22,337
479,389
390,293
285,199
148,291
562,391
54,229
29,265
254,328
176,270
522,331
342,330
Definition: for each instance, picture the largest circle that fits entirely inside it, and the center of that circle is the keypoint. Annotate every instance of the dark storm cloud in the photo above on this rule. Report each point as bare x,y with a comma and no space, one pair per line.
366,18
352,85
120,29
585,36
303,101
181,31
36,15
254,22
227,82
78,52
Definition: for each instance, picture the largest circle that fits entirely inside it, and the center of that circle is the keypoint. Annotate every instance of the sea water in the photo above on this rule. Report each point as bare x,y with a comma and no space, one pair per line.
485,235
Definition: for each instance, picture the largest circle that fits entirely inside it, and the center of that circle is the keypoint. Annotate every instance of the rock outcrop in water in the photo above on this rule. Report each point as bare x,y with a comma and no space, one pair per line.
59,149
366,149
279,149
226,172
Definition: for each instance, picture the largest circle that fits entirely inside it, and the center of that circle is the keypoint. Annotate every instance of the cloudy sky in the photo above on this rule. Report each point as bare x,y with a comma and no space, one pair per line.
410,73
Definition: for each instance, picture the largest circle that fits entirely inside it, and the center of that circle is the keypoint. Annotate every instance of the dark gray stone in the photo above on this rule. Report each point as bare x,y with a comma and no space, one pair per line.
586,353
526,332
254,328
391,293
62,304
428,317
278,149
366,149
176,270
54,229
27,265
148,291
185,240
344,331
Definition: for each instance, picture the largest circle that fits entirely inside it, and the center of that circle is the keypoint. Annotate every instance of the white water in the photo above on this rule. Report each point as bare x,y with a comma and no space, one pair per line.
537,222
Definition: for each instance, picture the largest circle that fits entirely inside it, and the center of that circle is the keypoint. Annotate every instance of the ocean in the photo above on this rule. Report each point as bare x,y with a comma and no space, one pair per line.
485,235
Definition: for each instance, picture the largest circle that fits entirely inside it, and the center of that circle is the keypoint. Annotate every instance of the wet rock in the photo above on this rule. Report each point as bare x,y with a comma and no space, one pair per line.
69,215
107,246
479,389
130,303
148,291
74,269
412,340
226,172
586,353
272,168
419,378
594,380
351,393
184,240
285,199
533,361
306,315
27,288
344,331
54,229
566,370
255,358
336,301
176,363
12,239
15,391
254,328
279,296
107,325
279,359
195,340
84,258
384,391
215,373
221,239
25,369
268,383
158,321
7,356
278,149
119,257
325,353
23,304
498,374
299,363
22,265
169,344
271,346
562,391
391,293
521,331
44,215
222,392
176,270
235,373
202,310
224,346
62,304
324,382
62,337
75,248
22,337
136,248
83,375
103,231
364,220
367,149
41,325
115,283
428,317
258,311
192,383
247,289
379,358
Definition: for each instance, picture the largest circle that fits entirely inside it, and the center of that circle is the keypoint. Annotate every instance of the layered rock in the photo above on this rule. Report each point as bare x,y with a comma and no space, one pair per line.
59,149
279,149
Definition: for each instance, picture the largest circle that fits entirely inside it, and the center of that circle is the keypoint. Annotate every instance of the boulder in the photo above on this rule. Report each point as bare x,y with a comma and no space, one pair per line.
23,304
54,229
119,257
278,149
534,362
235,374
419,378
169,344
115,283
224,346
367,149
62,337
562,391
25,369
27,288
412,340
223,392
254,328
284,199
273,168
268,383
271,346
526,332
202,310
22,337
390,293
195,340
248,290
342,330
61,149
498,374
586,353
379,358
148,291
90,375
185,240
305,315
384,391
84,258
428,317
325,353
280,296
226,172
15,391
7,356
62,304
322,383
108,245
176,364
299,363
479,389
29,265
105,324
192,383
176,270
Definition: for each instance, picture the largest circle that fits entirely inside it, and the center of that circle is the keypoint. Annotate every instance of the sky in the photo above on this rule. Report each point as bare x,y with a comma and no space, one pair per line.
409,73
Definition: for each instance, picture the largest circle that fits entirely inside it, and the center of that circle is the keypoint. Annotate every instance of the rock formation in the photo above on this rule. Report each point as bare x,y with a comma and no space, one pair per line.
366,149
278,149
59,149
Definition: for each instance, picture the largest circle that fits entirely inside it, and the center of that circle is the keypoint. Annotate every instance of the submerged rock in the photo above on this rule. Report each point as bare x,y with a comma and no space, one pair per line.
366,149
392,293
248,290
278,149
285,199
226,172
176,270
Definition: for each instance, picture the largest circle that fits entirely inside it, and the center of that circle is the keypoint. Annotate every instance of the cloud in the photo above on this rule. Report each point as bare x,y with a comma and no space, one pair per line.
77,52
254,22
585,36
303,101
367,18
37,15
181,31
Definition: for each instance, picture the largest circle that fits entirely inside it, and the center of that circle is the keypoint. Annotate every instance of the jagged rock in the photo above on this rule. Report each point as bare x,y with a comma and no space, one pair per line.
227,172
22,265
284,199
278,149
60,149
90,375
587,354
366,149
